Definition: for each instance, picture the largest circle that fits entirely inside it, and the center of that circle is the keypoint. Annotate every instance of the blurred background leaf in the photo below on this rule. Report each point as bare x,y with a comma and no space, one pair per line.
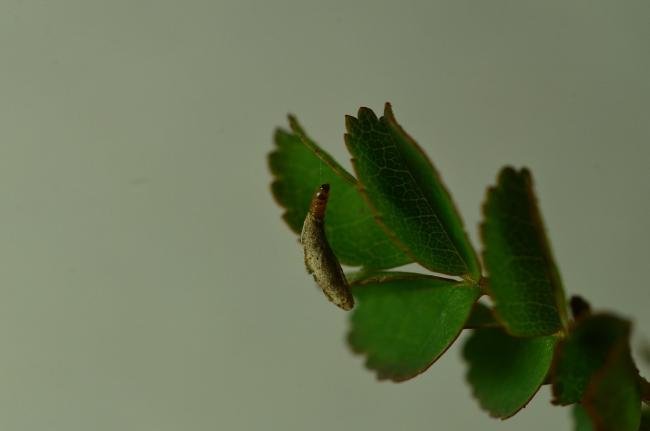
583,353
613,396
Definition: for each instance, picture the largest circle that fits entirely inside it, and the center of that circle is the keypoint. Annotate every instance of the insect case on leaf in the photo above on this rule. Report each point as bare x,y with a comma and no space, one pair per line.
320,260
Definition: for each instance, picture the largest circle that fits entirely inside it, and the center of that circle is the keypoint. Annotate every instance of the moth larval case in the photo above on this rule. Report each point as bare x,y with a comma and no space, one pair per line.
320,260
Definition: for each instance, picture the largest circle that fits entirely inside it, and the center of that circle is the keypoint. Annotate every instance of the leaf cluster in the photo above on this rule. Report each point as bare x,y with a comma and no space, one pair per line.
396,210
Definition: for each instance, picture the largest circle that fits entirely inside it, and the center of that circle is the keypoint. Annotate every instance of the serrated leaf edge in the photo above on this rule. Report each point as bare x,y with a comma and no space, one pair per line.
560,302
496,416
278,177
352,123
392,122
379,374
323,155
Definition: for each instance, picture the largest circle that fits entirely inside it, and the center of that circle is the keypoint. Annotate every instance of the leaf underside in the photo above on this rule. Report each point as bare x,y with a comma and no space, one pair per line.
524,282
299,166
403,322
407,195
505,372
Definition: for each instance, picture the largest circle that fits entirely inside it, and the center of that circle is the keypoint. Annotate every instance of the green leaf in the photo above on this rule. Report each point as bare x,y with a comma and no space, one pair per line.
583,353
581,419
406,193
524,282
481,317
613,397
404,322
505,372
299,166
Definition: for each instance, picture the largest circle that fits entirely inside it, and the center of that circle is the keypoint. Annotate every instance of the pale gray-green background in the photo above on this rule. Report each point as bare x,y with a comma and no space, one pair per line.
146,280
